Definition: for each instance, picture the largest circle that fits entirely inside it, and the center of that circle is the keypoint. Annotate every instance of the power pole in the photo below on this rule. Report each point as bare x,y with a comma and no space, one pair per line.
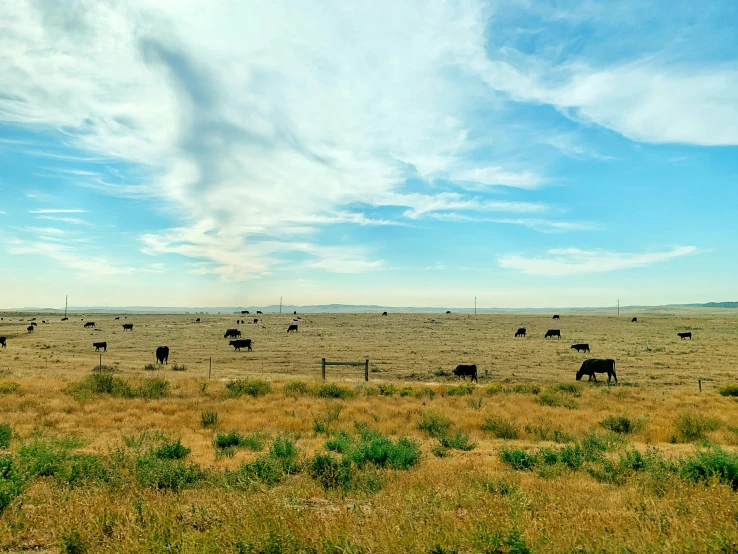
66,303
475,305
618,306
280,304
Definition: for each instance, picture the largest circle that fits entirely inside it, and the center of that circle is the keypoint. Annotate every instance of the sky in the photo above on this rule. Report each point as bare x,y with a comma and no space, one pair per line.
531,153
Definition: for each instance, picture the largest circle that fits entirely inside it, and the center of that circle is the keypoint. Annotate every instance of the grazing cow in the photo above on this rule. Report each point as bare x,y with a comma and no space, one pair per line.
43,321
90,324
29,328
34,323
244,312
256,321
65,319
117,317
634,320
162,355
552,333
197,320
580,347
99,345
128,326
232,334
294,313
33,319
462,370
592,366
259,312
685,335
292,327
520,332
384,313
2,341
242,343
556,317
448,311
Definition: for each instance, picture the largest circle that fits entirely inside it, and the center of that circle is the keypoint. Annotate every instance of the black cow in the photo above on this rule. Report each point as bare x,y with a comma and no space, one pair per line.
462,370
2,341
90,324
294,313
259,312
117,317
65,319
30,328
448,311
33,319
552,333
232,334
580,347
99,345
43,321
556,317
634,320
520,332
238,344
128,326
162,355
256,321
34,323
592,366
686,335
384,313
292,327
244,312
197,320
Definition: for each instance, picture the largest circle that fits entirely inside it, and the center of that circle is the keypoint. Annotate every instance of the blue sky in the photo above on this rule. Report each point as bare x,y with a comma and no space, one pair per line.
531,153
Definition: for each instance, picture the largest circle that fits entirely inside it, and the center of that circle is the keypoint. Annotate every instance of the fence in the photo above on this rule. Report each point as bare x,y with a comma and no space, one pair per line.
365,363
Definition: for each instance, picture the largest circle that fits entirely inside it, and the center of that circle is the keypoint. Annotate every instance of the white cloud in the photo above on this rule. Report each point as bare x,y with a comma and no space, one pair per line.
71,220
570,261
496,175
56,211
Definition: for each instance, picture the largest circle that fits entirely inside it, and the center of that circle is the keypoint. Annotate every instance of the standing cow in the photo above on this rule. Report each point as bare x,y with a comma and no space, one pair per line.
687,335
520,332
128,326
162,355
634,320
232,334
292,327
99,345
241,343
462,370
552,333
592,366
30,328
2,341
581,347
90,324
556,317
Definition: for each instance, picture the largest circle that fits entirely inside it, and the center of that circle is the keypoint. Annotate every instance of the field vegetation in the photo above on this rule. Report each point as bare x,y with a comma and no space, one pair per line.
126,459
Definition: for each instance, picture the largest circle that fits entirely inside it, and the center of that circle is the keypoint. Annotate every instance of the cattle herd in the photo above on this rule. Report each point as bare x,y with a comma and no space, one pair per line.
589,367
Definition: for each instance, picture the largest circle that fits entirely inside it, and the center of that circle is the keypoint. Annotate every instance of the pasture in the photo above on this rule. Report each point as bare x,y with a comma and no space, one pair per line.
265,457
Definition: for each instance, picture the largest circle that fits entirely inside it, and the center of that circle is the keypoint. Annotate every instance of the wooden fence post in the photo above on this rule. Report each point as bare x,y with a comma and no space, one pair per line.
366,371
100,368
210,370
699,384
323,365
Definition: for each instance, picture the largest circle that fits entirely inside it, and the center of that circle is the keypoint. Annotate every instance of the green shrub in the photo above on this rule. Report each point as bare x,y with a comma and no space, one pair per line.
152,389
457,441
209,419
460,390
475,403
72,543
387,389
105,383
621,424
325,423
227,440
554,398
296,388
725,390
332,390
284,450
251,387
568,388
424,392
545,432
172,451
434,423
151,367
715,463
518,459
7,387
178,367
6,432
166,474
526,389
332,473
501,428
690,427
407,391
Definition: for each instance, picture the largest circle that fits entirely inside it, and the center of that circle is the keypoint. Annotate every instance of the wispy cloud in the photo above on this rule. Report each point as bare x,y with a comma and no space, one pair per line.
70,220
569,261
57,211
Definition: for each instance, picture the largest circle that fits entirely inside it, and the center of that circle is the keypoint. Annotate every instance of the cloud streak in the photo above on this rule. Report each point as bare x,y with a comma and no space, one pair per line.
561,262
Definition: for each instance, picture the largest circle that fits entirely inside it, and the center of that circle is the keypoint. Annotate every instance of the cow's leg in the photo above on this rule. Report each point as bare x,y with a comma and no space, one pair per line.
594,376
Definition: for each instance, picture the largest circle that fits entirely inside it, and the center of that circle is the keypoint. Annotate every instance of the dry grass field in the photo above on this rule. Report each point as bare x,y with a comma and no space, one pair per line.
264,457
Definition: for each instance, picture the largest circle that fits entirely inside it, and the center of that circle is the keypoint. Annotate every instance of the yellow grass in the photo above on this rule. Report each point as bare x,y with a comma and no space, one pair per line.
440,502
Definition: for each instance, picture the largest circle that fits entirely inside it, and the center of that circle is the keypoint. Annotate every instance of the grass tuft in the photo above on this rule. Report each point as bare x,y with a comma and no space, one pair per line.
501,427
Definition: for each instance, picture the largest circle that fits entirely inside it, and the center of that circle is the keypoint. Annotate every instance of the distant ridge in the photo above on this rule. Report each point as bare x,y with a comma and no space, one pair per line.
347,308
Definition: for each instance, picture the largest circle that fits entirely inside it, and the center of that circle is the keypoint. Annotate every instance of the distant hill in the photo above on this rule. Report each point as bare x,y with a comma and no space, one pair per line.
710,305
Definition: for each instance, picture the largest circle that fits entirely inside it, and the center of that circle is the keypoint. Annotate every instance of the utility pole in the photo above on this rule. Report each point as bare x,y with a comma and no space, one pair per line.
618,306
280,304
66,303
475,305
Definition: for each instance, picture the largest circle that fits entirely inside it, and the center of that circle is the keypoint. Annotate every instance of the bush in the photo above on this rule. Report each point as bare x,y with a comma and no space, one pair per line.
545,432
475,404
501,428
209,419
5,435
712,464
72,543
332,413
568,388
518,459
554,398
251,387
460,390
387,389
331,390
332,473
526,389
166,474
151,367
434,423
172,451
152,389
105,383
296,388
690,428
228,440
284,450
458,441
6,387
726,390
621,424
178,367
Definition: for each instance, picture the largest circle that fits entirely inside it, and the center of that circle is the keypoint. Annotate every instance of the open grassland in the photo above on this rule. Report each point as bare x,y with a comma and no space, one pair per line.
265,457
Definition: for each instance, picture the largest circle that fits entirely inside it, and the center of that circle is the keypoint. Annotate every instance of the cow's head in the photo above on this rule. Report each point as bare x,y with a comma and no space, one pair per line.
579,374
457,372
